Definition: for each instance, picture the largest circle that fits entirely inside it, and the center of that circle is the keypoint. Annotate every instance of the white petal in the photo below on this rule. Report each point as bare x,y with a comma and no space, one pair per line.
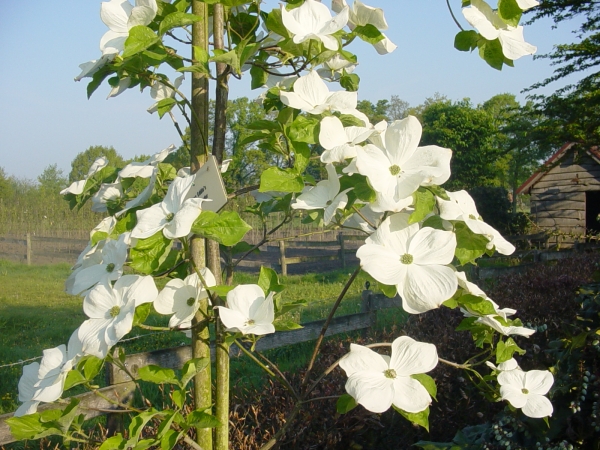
410,395
232,319
372,390
242,297
480,21
538,381
115,13
385,46
410,357
184,219
362,359
537,407
402,139
430,246
332,133
514,45
149,221
382,263
426,287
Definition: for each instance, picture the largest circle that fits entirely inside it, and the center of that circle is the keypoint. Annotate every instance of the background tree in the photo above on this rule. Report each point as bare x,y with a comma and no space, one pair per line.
82,162
52,180
375,112
4,184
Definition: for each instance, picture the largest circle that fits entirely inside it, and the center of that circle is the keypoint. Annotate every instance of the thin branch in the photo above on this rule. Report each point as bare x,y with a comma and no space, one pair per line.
453,16
363,217
327,322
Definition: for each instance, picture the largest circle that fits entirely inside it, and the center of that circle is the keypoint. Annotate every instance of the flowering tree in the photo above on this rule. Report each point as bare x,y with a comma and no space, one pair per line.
164,223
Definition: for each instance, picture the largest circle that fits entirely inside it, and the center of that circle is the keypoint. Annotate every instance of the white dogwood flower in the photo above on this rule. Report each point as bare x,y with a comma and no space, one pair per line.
495,323
146,168
313,20
340,142
461,206
88,69
413,259
111,309
511,364
248,311
174,215
120,16
379,381
361,15
527,390
488,23
325,195
181,297
398,169
77,187
473,289
312,95
333,68
108,193
527,4
160,91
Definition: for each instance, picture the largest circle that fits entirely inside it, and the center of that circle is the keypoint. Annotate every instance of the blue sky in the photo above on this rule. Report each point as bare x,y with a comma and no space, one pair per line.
46,118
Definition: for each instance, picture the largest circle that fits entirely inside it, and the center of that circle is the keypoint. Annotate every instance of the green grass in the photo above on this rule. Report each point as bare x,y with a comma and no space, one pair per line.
36,313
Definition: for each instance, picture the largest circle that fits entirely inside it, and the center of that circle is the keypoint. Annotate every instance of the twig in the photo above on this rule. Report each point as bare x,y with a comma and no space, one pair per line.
453,16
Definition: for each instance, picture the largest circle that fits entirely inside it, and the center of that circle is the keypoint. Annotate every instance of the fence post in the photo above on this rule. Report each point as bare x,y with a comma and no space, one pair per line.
114,422
282,258
342,249
28,249
366,306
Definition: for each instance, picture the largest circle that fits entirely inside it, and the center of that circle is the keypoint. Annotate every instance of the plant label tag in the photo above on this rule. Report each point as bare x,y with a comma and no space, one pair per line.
208,184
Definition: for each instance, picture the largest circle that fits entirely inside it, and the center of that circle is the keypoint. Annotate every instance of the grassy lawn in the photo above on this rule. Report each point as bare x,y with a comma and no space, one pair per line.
36,313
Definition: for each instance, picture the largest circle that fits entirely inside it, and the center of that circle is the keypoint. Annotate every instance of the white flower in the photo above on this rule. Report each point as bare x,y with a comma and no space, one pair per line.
358,220
174,215
414,260
111,309
248,311
44,381
361,15
387,204
146,168
312,95
160,91
107,193
507,330
379,381
473,289
180,298
88,69
313,20
340,143
511,364
332,68
325,195
398,169
123,85
526,390
77,187
527,4
106,262
485,20
462,207
120,16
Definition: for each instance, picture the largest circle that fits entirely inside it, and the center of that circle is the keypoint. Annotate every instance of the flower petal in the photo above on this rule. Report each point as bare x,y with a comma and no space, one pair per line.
372,390
410,357
362,359
426,287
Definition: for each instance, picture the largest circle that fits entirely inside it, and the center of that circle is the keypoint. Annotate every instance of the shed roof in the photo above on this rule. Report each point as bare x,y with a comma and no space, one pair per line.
594,152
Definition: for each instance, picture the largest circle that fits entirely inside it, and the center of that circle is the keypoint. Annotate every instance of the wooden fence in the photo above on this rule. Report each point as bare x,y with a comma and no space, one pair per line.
121,386
41,249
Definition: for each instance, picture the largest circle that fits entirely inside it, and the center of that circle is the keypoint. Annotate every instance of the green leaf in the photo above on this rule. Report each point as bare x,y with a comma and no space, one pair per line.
191,368
434,222
165,105
91,366
126,222
98,236
140,38
179,398
351,121
361,189
466,41
491,52
141,314
169,439
345,404
284,180
286,325
420,418
469,246
221,290
200,419
424,202
275,23
304,129
368,33
438,191
30,427
175,20
145,256
259,77
388,291
477,305
268,280
157,375
505,350
113,443
287,307
243,247
427,382
74,377
510,12
226,228
301,156
138,423
230,58
350,82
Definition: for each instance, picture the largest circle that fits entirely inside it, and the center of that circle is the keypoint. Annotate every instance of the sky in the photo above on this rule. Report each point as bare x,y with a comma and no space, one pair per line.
46,118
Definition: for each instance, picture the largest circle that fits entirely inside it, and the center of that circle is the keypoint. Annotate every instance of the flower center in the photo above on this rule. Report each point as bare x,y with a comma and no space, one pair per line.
406,259
329,202
191,301
390,373
525,391
472,217
110,267
395,169
250,322
114,311
170,217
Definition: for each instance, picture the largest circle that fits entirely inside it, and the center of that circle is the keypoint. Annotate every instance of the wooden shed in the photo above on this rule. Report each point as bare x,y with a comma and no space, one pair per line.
565,192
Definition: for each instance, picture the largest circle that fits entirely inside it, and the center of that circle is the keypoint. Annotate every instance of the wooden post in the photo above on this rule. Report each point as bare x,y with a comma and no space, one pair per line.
282,258
342,249
114,422
28,249
366,307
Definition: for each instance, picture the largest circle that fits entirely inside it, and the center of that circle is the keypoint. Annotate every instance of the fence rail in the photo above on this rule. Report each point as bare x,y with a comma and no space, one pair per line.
121,385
